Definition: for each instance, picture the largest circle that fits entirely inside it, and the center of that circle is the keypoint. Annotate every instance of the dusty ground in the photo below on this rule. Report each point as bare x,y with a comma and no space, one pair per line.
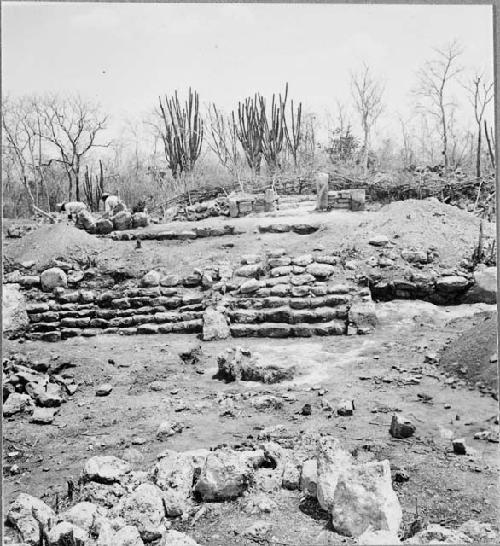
409,223
372,370
473,354
384,373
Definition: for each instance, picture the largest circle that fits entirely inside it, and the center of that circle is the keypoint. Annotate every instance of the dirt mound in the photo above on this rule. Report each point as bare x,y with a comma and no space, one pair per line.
429,222
52,241
469,356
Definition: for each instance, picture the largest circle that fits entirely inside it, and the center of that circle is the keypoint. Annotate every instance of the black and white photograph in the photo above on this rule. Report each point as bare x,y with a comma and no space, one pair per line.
249,283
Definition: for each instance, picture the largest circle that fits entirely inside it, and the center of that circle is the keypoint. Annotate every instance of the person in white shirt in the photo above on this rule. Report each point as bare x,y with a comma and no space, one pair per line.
111,202
72,208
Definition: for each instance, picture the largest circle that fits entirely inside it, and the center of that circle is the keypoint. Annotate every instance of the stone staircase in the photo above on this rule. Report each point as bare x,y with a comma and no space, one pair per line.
267,296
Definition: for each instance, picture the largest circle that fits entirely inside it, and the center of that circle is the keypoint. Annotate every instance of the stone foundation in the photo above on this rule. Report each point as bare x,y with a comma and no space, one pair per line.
272,296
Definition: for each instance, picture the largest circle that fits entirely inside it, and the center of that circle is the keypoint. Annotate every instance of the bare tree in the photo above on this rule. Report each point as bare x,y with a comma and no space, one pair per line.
367,93
490,139
407,150
433,80
21,133
71,127
480,95
223,140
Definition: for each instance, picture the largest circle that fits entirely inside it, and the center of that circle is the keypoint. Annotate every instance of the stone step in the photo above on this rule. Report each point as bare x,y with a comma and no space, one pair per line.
307,302
126,318
183,327
167,235
288,330
300,229
287,315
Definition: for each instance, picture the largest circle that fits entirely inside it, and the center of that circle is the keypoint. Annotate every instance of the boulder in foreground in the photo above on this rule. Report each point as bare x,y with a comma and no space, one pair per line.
237,364
364,499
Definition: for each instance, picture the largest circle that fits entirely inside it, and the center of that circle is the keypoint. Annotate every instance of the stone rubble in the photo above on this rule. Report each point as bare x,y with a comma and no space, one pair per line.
358,497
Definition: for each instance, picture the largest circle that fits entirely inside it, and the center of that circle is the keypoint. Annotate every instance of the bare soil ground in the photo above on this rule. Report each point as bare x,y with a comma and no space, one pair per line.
473,354
384,372
373,370
409,223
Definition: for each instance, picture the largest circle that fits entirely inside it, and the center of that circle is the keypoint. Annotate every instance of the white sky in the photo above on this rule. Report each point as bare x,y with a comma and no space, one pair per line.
125,55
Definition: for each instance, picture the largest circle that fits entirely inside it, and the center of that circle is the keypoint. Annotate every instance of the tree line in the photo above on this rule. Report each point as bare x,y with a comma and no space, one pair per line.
57,148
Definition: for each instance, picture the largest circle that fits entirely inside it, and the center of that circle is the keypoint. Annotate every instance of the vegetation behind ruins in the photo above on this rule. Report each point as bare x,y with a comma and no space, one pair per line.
59,148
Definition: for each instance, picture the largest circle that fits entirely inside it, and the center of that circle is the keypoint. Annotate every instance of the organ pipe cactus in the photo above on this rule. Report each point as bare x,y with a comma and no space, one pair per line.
273,132
249,131
266,133
181,132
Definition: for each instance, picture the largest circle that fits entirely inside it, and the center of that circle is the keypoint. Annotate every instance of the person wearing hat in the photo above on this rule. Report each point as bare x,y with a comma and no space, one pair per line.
112,202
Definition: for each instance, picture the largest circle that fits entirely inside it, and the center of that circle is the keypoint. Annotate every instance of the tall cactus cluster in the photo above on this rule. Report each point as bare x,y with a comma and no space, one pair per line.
182,132
264,134
93,192
249,129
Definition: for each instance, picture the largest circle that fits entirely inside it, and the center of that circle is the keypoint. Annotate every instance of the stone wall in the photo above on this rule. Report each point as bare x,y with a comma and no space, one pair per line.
274,296
346,199
171,235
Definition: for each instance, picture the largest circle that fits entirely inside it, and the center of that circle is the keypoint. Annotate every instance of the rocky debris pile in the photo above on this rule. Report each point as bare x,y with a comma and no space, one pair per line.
238,364
413,273
201,211
16,231
36,387
119,506
470,532
58,272
105,224
299,228
169,235
115,504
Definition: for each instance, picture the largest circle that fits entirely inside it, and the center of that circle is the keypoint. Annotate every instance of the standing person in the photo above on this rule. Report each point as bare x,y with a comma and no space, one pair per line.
112,202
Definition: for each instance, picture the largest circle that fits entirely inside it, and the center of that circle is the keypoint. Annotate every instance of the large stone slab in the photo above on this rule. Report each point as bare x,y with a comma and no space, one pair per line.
364,499
331,461
215,325
14,315
225,476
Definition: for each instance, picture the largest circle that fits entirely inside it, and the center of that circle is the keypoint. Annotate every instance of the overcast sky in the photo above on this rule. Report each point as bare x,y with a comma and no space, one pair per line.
125,55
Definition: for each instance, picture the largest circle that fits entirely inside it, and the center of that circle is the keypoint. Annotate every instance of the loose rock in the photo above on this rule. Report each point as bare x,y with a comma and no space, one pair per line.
53,278
225,476
401,427
105,469
144,509
24,515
